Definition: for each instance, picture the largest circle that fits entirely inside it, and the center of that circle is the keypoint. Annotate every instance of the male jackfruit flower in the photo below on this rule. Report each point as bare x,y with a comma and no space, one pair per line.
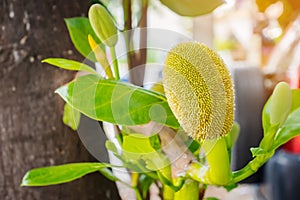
199,90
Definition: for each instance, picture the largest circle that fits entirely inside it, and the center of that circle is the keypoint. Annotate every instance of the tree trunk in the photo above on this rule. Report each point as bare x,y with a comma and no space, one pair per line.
31,131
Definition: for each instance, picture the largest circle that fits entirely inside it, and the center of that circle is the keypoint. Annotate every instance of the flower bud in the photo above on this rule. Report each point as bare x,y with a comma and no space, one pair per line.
103,25
281,103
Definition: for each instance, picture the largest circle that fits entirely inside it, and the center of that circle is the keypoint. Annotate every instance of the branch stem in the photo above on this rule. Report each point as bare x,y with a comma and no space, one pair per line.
219,172
115,62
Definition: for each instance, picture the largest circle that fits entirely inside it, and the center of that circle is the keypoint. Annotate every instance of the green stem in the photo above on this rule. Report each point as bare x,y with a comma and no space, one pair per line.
219,172
168,192
250,168
138,194
115,62
189,191
127,15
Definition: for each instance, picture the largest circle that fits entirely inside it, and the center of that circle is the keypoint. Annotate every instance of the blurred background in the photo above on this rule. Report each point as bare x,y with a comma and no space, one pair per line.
258,39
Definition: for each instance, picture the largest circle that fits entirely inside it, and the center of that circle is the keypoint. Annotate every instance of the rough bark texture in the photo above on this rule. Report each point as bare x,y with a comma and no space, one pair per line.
31,132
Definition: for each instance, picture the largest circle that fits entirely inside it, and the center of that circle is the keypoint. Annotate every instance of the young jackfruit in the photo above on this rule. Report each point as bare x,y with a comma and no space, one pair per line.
199,90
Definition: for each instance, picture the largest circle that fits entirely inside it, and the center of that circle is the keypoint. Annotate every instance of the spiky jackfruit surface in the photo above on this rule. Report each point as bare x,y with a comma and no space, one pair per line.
199,90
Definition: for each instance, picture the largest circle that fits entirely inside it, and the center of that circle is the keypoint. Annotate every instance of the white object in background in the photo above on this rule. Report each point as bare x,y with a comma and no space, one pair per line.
282,55
203,30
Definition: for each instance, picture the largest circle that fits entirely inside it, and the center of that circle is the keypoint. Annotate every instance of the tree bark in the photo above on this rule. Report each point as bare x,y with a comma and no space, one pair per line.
31,131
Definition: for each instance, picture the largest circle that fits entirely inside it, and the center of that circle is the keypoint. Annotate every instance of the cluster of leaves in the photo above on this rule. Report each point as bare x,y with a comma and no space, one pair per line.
275,134
104,101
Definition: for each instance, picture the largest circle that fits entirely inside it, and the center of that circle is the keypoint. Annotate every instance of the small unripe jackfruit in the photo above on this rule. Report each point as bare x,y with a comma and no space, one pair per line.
199,90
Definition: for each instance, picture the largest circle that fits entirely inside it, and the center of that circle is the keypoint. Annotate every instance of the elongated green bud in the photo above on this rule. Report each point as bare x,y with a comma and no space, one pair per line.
199,90
103,25
281,103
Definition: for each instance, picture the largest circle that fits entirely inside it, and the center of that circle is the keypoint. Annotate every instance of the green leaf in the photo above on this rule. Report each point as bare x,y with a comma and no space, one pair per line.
71,117
193,145
134,165
117,102
79,28
111,147
108,174
137,148
258,151
60,174
295,100
266,117
169,182
136,145
234,133
192,7
290,129
155,142
69,64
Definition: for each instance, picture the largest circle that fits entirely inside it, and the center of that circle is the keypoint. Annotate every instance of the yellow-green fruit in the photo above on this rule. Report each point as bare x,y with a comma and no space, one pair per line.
192,7
199,90
103,25
281,103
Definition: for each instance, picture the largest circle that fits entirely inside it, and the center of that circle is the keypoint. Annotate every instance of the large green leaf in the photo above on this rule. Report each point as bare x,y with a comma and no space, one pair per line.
117,102
69,64
79,28
192,7
61,174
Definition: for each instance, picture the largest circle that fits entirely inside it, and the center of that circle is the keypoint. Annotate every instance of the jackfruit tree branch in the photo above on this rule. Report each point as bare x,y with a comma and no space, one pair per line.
251,167
135,58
